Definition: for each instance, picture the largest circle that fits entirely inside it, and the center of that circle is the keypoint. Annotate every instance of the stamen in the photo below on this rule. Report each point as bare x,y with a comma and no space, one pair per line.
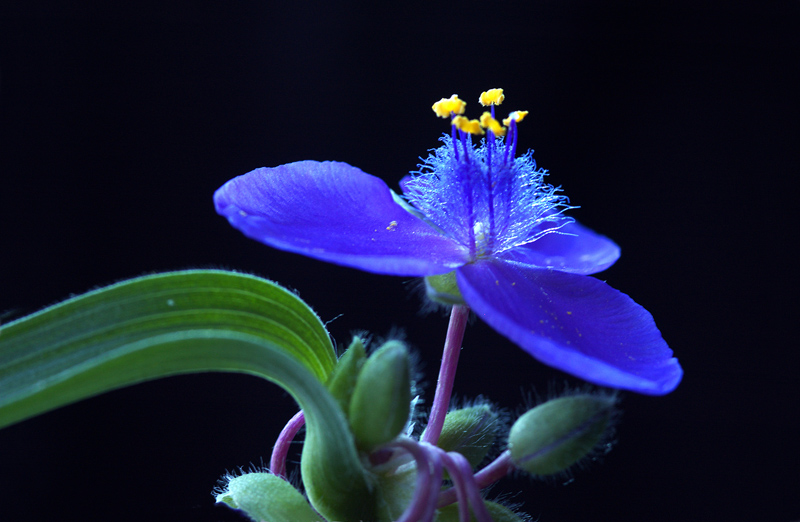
454,141
492,97
466,142
470,126
489,200
511,140
447,107
466,146
488,122
514,141
516,116
490,145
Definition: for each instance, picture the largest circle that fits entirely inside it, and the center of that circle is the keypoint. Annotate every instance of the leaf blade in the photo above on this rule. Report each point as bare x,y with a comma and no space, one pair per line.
49,346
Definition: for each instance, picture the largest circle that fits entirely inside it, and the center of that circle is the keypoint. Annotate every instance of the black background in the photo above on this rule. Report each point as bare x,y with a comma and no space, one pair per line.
673,126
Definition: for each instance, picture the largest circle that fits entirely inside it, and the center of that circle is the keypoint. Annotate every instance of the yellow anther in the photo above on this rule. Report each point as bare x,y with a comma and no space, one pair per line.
487,122
492,97
465,125
444,107
517,116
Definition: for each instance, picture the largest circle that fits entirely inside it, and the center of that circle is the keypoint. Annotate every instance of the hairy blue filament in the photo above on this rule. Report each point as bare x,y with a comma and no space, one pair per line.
469,193
484,197
453,137
490,145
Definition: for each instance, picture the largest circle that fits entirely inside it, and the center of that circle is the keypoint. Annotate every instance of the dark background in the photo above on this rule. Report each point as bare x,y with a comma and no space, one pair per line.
673,126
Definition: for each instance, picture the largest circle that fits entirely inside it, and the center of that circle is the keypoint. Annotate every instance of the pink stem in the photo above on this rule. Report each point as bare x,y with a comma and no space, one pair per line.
459,479
472,491
497,469
447,373
277,463
429,478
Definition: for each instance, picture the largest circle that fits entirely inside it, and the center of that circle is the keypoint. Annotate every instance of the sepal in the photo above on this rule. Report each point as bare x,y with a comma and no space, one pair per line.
443,289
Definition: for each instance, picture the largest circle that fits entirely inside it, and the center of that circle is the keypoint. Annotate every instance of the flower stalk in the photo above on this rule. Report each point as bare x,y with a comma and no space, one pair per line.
277,462
447,373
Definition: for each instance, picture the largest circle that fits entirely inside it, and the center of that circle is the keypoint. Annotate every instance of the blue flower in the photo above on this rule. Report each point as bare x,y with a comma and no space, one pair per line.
519,262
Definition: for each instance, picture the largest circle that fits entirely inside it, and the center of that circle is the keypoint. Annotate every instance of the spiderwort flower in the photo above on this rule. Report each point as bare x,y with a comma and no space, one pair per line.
478,210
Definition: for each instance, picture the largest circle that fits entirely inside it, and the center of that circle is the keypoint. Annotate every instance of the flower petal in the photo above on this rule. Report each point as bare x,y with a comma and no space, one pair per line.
572,322
337,213
573,248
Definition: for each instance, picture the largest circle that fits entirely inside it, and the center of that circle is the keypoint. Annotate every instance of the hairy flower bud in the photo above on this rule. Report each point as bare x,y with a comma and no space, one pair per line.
343,379
264,496
380,405
555,435
470,431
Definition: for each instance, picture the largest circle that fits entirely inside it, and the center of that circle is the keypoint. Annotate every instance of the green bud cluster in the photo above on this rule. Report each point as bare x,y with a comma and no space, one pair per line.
374,392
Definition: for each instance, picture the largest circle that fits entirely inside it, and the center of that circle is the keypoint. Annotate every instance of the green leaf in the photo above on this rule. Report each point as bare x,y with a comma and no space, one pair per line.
185,322
67,352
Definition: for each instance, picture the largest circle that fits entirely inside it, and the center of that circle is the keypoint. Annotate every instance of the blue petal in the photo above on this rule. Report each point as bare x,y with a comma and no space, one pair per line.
573,248
337,213
572,322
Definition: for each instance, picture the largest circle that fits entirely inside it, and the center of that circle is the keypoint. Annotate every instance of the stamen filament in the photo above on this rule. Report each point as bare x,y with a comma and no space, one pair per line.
511,141
463,136
453,139
490,145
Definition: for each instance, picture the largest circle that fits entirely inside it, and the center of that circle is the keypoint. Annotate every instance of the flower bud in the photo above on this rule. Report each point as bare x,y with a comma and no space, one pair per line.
443,289
470,431
555,435
264,496
343,379
380,405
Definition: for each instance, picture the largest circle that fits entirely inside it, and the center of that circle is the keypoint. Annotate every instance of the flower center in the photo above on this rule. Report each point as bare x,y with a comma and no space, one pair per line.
482,195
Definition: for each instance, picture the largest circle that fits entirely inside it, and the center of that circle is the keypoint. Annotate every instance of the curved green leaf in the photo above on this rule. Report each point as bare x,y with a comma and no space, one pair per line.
186,322
44,357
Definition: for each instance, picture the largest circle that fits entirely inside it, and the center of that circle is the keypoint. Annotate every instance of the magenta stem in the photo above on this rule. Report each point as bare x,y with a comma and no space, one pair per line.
429,478
447,373
497,469
277,463
470,494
